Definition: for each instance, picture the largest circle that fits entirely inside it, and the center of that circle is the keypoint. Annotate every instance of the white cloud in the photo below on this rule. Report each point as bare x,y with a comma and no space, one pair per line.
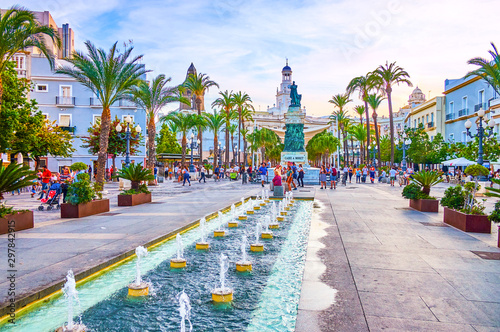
242,44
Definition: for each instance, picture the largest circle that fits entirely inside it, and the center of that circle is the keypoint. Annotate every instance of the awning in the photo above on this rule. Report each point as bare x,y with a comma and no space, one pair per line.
458,162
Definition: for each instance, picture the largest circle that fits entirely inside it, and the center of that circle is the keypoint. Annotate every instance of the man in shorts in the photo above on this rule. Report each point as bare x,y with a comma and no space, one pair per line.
263,173
392,174
333,177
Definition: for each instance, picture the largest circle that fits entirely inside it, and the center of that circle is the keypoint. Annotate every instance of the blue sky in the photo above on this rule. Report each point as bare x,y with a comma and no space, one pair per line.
242,45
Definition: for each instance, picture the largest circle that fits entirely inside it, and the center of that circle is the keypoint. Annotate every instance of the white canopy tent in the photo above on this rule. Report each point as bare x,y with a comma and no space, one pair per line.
458,162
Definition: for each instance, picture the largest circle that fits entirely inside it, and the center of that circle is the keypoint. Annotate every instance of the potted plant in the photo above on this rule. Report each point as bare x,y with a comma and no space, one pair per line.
138,193
14,177
495,214
461,209
84,199
418,191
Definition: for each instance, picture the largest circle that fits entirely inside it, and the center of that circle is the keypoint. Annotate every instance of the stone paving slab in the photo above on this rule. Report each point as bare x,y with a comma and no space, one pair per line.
45,253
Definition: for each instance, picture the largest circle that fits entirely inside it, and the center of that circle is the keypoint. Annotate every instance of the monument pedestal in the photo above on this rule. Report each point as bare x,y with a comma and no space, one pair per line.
296,157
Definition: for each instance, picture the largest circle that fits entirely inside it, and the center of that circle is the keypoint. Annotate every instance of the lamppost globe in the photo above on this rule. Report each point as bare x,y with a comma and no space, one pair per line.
128,119
408,141
138,128
480,113
491,123
119,128
468,124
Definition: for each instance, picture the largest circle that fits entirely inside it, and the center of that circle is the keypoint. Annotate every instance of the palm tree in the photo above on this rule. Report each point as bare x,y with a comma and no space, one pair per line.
358,133
360,110
198,85
363,84
20,30
246,115
340,117
388,75
489,70
152,98
241,101
341,100
244,134
374,101
226,103
111,77
183,123
214,123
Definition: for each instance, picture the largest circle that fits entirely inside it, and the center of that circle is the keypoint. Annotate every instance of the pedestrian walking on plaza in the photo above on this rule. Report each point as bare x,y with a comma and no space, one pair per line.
333,177
322,177
351,172
185,172
243,174
46,176
263,173
249,172
372,174
364,174
203,171
216,173
300,177
392,174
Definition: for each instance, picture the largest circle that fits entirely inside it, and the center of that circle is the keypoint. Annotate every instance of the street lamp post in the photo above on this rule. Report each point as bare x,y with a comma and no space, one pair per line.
480,133
406,142
128,136
374,151
221,152
193,145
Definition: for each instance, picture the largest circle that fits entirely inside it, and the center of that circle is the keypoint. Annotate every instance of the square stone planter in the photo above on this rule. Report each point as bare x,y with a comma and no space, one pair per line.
85,209
467,222
22,220
425,205
134,199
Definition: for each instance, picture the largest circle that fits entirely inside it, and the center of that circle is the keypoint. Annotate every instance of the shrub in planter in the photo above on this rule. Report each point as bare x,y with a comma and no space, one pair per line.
80,191
426,180
84,199
79,166
136,174
413,191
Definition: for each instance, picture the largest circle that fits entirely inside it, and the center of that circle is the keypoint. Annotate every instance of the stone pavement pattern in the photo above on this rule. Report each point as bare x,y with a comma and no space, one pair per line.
397,269
45,253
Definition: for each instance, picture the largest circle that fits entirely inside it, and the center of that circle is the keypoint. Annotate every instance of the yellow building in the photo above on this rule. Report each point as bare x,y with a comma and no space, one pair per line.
431,115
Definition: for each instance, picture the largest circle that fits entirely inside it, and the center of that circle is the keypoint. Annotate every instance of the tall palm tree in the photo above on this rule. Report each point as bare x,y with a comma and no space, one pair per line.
214,123
232,130
489,70
246,115
360,110
20,30
198,85
152,98
241,101
183,123
111,77
340,118
389,75
363,84
226,103
358,133
340,100
374,101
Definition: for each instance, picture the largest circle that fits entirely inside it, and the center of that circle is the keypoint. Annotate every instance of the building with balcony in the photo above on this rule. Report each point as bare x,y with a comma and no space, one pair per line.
463,98
430,115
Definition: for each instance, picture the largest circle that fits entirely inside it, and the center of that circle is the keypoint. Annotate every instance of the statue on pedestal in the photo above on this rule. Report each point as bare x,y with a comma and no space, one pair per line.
294,96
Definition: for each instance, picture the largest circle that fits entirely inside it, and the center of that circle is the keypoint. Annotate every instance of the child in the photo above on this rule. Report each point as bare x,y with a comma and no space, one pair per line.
33,189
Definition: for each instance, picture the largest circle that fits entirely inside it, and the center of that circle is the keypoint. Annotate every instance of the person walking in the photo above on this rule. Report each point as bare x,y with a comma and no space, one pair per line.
203,171
249,172
333,177
186,176
322,177
358,175
46,176
372,174
392,174
351,172
300,176
243,174
364,174
263,173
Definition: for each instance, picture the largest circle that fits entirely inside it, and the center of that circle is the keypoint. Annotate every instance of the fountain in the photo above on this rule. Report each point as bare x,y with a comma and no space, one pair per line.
281,208
250,206
242,216
219,232
184,311
266,196
232,222
263,198
257,246
71,296
244,265
203,244
223,294
279,216
139,287
274,218
178,262
266,233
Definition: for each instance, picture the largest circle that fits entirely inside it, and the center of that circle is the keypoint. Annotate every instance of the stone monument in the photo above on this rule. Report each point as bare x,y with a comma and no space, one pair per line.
294,150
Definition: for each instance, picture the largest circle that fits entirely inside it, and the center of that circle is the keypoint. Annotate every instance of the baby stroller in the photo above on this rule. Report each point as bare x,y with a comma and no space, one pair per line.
52,199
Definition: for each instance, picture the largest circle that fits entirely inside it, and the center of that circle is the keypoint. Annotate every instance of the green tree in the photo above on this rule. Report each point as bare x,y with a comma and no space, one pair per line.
263,139
226,103
20,30
232,130
51,140
167,141
489,70
241,101
389,75
152,98
340,117
246,116
183,122
438,151
214,123
374,101
198,85
116,145
358,133
110,76
321,146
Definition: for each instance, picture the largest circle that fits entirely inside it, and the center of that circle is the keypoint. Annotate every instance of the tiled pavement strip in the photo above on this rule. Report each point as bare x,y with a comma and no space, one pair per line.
394,270
45,253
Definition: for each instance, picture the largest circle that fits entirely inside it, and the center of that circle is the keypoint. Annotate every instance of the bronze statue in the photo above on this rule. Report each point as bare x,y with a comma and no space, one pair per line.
294,96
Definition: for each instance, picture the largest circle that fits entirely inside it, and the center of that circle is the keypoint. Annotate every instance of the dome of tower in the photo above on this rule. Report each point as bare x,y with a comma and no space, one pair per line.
416,97
286,68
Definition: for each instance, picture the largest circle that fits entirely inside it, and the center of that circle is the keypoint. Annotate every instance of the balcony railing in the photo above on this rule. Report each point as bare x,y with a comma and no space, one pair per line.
484,106
449,116
65,101
69,129
430,124
126,104
94,102
463,112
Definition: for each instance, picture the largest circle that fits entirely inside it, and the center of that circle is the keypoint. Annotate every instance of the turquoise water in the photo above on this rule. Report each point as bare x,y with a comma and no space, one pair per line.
268,296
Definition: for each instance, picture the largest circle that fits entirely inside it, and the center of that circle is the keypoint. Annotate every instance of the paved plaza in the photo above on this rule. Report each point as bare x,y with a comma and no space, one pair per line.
372,263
